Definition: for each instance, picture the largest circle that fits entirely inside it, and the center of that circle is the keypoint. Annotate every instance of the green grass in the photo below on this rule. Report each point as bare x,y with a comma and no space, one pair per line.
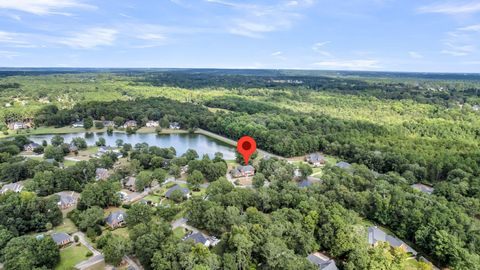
71,256
153,198
179,232
68,163
66,227
121,232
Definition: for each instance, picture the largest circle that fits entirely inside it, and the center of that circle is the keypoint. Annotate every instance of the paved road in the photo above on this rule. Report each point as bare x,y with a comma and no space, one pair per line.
90,262
182,222
131,262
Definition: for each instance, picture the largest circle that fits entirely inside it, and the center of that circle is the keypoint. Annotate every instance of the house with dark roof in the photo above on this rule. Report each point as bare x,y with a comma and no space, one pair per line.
243,171
15,187
61,239
322,261
308,182
344,165
72,147
107,123
31,146
423,188
116,219
200,238
315,159
376,235
185,191
101,174
66,199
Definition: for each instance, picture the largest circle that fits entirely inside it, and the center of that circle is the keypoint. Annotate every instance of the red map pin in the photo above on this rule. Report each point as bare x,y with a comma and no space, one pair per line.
246,146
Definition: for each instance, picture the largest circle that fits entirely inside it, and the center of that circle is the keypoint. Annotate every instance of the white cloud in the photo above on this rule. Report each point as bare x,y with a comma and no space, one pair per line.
91,38
43,7
255,20
318,47
16,39
462,41
8,54
451,8
365,64
473,28
279,55
415,55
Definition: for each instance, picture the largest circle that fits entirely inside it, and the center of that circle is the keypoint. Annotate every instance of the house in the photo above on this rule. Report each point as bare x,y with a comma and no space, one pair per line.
344,165
17,125
423,188
152,124
174,125
130,123
61,239
185,191
200,238
72,147
130,183
322,261
15,187
123,195
108,123
101,174
243,171
31,146
116,219
315,159
308,182
476,107
66,200
78,124
375,235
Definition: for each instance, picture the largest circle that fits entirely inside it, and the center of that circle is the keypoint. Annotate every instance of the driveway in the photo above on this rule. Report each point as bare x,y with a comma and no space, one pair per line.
83,239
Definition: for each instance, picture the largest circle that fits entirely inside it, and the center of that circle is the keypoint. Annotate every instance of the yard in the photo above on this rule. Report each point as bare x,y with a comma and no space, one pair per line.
67,227
71,256
179,232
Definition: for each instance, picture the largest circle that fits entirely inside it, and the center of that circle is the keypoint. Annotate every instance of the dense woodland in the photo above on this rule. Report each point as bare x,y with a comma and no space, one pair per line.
397,132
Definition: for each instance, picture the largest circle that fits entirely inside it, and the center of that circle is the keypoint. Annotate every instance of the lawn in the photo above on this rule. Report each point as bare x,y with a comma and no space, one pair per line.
153,198
66,227
179,232
121,232
70,256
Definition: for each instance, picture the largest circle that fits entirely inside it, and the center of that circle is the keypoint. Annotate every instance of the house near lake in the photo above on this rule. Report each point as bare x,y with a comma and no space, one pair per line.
30,147
15,187
18,125
376,235
315,159
322,261
107,123
78,124
152,124
243,171
116,219
130,124
174,125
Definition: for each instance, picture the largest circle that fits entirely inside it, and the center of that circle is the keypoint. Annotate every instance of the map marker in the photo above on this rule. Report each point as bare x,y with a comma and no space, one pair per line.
246,146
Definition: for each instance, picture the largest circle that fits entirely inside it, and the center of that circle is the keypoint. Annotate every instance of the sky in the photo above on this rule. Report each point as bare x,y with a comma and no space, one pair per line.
378,35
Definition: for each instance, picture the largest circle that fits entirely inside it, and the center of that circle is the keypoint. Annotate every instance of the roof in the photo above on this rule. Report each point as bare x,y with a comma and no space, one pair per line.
101,173
66,199
423,188
33,145
131,181
315,157
117,216
375,234
176,187
343,165
61,237
15,187
197,237
322,261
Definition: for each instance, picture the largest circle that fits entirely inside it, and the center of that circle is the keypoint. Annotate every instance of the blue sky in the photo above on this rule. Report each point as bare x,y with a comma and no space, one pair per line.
395,35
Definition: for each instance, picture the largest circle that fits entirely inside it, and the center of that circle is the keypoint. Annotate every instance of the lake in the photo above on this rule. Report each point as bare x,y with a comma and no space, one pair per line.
181,142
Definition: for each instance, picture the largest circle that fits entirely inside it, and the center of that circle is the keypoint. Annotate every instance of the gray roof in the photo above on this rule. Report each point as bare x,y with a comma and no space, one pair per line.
131,181
315,157
101,173
15,187
375,235
185,191
66,199
423,188
343,165
58,238
197,237
32,145
322,261
118,216
243,169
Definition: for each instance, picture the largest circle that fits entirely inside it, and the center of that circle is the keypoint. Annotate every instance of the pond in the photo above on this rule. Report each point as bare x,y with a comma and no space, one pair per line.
181,142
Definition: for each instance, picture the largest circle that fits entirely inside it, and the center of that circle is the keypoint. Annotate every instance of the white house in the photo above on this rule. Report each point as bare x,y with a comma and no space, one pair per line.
152,124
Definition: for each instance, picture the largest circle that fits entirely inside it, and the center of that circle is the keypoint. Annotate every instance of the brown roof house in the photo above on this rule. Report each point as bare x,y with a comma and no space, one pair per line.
130,183
315,159
66,199
243,171
101,174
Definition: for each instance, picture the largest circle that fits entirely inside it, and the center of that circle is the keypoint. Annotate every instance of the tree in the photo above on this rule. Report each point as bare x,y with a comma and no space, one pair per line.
115,248
119,142
57,140
90,218
191,154
118,120
144,179
138,213
305,170
27,252
101,142
79,142
88,123
258,180
99,125
102,193
52,152
159,175
195,179
177,196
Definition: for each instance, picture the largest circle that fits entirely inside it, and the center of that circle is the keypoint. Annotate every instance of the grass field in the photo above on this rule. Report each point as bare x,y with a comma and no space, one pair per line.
70,256
179,232
66,227
121,232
